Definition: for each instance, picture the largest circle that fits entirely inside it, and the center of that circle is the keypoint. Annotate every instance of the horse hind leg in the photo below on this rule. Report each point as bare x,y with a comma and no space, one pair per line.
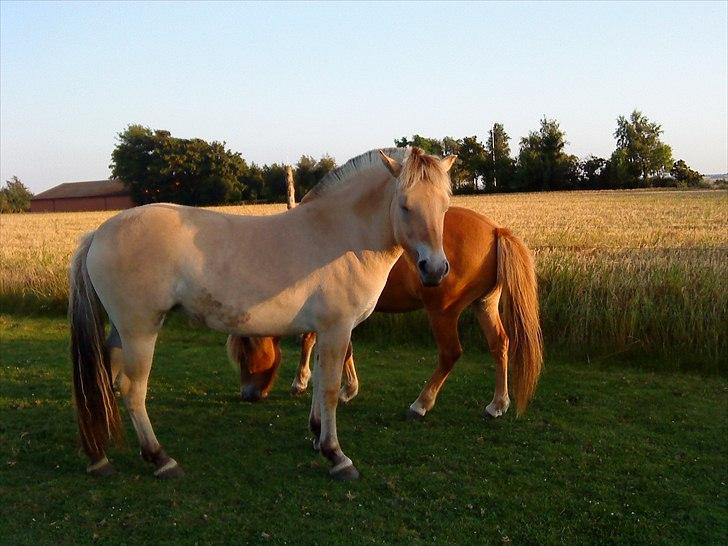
490,324
350,388
137,363
445,329
303,372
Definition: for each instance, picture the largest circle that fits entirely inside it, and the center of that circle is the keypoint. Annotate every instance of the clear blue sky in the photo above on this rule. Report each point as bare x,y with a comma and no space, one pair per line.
279,80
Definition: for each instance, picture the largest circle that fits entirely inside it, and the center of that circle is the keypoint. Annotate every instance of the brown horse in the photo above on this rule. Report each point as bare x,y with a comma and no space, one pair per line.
488,263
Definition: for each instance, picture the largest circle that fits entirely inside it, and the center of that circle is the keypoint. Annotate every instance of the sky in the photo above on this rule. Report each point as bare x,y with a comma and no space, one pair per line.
276,81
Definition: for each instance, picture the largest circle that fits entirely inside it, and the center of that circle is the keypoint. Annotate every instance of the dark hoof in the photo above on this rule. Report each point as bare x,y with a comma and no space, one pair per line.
169,471
412,415
488,416
101,471
346,474
295,391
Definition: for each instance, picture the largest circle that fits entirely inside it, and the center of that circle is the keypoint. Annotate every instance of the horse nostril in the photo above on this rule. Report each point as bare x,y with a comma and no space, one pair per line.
447,267
421,264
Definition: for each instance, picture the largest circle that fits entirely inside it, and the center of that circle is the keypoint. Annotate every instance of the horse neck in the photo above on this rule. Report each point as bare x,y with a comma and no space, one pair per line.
362,206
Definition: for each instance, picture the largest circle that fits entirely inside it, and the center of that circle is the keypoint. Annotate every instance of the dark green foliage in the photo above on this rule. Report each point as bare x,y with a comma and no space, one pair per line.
604,455
593,173
14,196
684,175
499,168
309,172
157,167
542,162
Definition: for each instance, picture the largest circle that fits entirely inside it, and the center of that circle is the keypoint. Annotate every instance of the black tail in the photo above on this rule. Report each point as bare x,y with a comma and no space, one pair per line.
96,407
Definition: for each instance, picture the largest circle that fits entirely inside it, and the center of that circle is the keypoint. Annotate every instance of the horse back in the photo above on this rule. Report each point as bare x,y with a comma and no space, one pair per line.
470,243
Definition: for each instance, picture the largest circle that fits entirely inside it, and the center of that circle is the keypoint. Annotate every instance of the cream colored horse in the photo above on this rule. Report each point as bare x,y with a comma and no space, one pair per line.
318,268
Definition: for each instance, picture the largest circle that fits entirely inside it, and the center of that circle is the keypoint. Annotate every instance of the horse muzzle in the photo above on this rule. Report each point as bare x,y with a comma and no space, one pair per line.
432,272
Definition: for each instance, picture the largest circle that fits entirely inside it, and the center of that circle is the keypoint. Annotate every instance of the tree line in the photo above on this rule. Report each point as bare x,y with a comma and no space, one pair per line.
157,167
640,159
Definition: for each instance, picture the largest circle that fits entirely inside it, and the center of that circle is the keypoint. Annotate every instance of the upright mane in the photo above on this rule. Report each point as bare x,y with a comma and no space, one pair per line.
354,166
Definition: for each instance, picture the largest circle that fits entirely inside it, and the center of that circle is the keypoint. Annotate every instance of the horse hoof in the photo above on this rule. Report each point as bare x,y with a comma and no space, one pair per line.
297,391
316,444
412,415
102,469
250,394
170,470
345,398
345,474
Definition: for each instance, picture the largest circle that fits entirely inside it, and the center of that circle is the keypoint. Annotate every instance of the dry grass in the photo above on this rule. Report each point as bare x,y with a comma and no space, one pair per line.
618,270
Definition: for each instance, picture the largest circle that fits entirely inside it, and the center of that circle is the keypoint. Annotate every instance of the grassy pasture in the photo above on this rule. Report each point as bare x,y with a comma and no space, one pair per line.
621,273
605,455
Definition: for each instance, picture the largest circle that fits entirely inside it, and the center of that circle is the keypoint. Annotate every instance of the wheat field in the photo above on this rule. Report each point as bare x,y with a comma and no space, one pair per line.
619,271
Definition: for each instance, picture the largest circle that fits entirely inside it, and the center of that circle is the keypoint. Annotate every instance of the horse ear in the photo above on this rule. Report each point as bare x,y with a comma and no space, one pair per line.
393,166
446,164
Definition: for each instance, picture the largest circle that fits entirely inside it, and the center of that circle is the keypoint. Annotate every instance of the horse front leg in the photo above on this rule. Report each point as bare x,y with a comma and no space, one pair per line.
303,373
331,351
445,329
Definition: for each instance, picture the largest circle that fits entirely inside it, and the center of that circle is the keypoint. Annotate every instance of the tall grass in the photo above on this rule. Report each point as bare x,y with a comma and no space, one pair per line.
620,272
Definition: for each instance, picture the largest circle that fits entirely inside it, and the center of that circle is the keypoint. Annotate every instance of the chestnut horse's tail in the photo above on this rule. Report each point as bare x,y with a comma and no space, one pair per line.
517,279
96,407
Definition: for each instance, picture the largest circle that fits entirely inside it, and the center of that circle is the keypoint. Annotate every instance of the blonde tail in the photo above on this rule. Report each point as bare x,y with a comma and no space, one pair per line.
517,278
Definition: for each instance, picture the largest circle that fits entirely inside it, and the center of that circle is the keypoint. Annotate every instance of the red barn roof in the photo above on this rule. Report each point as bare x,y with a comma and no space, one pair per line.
95,188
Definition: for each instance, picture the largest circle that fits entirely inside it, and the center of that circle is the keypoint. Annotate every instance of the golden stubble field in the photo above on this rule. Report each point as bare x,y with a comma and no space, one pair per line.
618,269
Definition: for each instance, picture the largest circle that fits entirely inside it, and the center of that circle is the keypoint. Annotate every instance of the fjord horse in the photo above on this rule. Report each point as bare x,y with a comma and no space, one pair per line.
488,264
318,268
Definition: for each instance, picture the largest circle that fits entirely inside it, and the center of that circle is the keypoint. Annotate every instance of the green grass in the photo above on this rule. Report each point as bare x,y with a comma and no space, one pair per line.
606,454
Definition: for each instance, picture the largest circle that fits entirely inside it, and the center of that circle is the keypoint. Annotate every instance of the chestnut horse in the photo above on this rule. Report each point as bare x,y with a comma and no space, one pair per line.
488,264
316,268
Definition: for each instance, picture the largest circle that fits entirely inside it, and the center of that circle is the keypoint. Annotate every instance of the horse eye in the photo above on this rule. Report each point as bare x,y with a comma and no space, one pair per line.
404,208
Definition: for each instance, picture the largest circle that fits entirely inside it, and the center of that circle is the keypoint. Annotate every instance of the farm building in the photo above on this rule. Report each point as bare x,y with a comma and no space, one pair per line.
83,196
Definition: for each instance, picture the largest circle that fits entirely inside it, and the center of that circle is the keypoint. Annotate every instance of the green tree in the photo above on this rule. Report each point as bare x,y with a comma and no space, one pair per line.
542,162
309,172
593,173
15,196
471,160
684,175
642,153
158,167
429,145
498,166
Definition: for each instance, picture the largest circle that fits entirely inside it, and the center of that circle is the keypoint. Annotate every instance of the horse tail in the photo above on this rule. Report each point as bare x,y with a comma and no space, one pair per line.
517,279
96,407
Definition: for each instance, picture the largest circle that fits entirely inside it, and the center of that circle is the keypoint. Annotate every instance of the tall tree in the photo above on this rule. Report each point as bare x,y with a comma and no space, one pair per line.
471,159
309,172
15,196
639,149
542,162
498,164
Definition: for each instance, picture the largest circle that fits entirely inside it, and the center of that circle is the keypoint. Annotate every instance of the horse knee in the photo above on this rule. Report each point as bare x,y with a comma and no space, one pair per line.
449,356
